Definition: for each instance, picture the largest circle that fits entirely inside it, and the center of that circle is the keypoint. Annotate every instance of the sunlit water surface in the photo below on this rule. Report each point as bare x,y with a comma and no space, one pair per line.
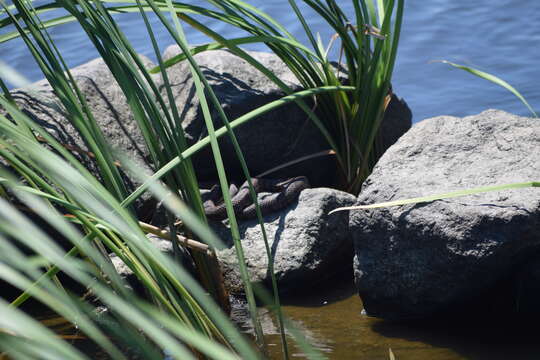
501,37
498,36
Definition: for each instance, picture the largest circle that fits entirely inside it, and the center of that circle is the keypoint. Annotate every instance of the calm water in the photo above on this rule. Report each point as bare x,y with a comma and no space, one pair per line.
498,36
331,320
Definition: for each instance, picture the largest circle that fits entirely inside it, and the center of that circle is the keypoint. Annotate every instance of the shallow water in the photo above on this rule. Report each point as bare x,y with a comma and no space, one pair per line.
333,322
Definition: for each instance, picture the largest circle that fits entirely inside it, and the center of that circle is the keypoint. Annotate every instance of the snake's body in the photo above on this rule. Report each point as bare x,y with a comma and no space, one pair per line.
283,193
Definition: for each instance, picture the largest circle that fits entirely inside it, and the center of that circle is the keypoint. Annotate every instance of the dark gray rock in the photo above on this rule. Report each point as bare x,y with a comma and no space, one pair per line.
165,246
308,245
417,260
273,139
524,291
108,105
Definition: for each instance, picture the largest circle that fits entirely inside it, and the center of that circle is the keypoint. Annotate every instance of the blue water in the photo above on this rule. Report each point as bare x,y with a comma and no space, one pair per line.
501,37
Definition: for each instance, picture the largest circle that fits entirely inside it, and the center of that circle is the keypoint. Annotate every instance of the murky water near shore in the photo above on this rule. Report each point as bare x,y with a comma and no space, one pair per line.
333,322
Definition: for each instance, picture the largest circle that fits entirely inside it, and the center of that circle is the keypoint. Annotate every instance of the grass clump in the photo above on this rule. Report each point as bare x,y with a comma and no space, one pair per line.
368,47
39,176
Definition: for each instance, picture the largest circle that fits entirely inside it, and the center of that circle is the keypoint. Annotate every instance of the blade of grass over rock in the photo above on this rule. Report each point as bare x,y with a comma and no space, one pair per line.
58,75
217,45
164,140
296,161
201,85
75,194
494,79
251,60
448,195
44,133
248,177
14,323
208,266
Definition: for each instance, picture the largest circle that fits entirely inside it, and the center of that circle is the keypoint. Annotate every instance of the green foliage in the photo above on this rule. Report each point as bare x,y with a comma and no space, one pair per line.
192,317
349,122
48,181
448,195
494,79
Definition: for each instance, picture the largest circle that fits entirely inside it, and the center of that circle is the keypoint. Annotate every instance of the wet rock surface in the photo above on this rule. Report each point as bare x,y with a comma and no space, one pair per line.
308,245
418,260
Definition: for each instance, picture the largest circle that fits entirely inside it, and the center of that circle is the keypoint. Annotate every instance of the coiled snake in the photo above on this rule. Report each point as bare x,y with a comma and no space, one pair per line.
283,193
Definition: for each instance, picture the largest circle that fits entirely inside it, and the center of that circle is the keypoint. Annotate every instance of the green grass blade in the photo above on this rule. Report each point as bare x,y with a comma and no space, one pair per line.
252,115
18,327
449,195
72,180
238,41
201,85
495,80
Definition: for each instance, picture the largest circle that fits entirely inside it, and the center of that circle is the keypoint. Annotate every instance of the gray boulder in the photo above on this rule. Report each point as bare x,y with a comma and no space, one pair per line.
108,105
308,245
418,260
165,246
274,138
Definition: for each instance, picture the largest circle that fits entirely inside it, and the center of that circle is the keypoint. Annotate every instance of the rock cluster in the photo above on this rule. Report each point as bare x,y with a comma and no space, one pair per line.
308,245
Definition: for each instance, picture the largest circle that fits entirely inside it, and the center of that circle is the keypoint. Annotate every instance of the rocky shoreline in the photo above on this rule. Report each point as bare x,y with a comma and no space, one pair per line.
410,262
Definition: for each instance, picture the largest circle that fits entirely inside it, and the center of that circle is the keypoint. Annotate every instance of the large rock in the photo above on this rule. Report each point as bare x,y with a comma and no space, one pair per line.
274,138
109,108
417,260
308,245
166,247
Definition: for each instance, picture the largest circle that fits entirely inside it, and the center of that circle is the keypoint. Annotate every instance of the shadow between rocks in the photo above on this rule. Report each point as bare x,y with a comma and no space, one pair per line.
330,290
472,338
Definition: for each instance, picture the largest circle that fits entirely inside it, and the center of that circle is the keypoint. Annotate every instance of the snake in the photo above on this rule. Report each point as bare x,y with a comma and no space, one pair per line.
283,192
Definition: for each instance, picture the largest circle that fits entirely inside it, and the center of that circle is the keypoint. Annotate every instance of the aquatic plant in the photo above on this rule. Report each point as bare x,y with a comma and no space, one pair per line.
494,79
97,218
177,316
40,178
368,48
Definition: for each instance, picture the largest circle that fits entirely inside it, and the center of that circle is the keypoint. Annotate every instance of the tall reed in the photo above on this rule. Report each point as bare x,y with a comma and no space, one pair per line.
368,46
96,217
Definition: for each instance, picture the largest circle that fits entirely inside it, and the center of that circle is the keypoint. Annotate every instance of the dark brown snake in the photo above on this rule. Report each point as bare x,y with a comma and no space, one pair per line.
283,193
